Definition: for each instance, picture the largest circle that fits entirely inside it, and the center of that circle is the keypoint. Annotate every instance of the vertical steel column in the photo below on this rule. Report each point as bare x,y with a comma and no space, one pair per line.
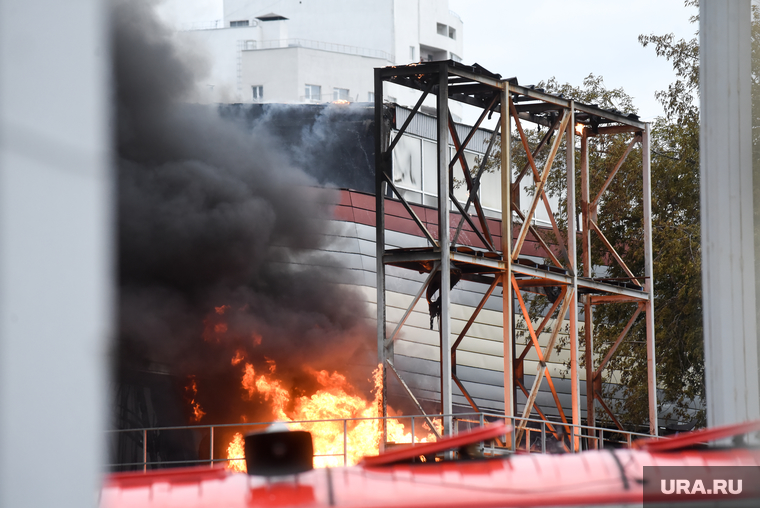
573,265
648,284
145,450
345,443
380,167
442,111
211,446
587,307
506,249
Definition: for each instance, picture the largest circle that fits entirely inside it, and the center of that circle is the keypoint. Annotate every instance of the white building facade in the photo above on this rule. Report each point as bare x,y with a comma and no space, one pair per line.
305,51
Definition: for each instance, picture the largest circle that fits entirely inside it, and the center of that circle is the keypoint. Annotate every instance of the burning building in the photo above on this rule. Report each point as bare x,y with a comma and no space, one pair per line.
234,304
248,268
216,229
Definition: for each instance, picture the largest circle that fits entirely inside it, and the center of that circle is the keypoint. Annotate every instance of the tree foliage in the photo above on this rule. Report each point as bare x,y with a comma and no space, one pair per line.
676,233
675,230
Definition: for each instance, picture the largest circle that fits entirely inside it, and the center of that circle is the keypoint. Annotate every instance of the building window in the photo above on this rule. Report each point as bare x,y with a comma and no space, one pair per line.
452,33
371,97
412,52
340,94
407,163
455,57
242,22
442,29
258,93
313,92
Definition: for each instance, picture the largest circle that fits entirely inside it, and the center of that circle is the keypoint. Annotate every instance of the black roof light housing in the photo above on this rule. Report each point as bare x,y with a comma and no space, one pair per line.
279,452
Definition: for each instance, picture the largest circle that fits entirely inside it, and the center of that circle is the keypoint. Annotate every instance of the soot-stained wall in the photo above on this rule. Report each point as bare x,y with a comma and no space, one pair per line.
333,143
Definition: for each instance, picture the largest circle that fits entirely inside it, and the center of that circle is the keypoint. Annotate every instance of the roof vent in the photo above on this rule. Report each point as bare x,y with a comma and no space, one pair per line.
271,17
278,452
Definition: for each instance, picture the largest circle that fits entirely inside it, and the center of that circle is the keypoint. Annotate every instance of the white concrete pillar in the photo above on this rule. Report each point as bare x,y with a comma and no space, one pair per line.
55,250
728,272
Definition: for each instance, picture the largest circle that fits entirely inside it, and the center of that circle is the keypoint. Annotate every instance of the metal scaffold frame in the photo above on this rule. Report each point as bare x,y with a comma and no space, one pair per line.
495,264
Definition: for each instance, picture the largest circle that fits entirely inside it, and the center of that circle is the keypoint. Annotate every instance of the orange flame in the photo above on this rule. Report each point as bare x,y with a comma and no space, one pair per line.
191,391
236,452
249,380
239,357
335,400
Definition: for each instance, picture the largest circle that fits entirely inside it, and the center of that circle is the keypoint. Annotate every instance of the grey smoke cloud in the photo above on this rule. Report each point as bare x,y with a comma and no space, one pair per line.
212,212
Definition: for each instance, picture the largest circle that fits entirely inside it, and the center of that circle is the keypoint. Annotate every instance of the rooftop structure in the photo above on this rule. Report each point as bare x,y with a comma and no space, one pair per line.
321,52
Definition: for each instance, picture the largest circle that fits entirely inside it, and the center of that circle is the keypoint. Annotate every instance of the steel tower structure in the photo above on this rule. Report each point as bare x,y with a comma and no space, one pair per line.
497,260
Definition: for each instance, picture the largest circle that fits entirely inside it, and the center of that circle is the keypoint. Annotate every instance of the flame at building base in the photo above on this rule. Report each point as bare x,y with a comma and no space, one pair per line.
334,400
236,450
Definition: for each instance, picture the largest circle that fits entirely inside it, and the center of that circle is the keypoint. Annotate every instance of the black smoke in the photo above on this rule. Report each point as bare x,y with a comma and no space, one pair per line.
212,214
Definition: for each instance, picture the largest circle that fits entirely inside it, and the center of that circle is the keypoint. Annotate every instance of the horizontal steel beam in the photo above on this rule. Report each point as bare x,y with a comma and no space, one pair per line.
434,68
609,115
540,120
484,80
565,103
633,294
616,129
535,94
535,107
409,70
391,257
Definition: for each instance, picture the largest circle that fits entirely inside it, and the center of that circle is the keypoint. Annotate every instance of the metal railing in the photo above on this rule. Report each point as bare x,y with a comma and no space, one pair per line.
537,436
325,97
324,46
202,25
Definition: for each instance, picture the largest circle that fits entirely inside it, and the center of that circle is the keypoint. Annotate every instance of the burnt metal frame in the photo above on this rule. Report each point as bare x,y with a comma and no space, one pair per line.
448,80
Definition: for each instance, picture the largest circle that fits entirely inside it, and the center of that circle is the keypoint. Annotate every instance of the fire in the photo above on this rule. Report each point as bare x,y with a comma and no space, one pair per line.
334,400
191,391
215,327
273,391
236,452
341,101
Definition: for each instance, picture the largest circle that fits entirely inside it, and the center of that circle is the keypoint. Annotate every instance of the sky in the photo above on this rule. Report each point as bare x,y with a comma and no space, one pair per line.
570,39
538,39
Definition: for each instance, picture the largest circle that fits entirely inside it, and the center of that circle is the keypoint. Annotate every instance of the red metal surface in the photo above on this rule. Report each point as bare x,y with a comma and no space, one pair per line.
697,437
409,452
584,479
360,208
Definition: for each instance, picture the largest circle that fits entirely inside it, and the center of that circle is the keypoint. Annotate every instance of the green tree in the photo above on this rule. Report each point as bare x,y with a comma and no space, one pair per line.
676,246
675,230
676,234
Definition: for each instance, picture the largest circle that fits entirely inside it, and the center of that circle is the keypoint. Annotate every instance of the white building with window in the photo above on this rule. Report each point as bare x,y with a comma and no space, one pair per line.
306,51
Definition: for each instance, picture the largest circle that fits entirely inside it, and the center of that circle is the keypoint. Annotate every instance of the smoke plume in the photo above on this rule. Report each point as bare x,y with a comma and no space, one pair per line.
218,230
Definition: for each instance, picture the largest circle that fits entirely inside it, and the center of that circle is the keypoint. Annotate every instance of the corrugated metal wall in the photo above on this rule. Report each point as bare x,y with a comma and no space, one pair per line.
417,352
